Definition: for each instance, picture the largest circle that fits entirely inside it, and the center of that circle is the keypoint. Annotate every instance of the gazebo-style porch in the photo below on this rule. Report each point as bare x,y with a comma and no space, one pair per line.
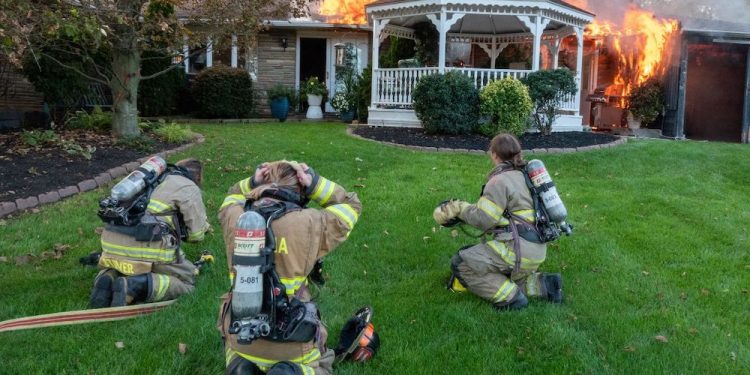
481,27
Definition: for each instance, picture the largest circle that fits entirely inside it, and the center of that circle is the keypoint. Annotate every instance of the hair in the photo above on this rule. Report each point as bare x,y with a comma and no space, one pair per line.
195,167
508,148
280,175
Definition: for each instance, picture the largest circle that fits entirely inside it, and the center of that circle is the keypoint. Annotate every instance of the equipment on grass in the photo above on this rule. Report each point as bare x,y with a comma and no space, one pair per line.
358,341
124,206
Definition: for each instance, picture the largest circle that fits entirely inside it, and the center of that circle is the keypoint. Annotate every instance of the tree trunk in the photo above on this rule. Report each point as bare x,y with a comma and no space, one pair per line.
126,65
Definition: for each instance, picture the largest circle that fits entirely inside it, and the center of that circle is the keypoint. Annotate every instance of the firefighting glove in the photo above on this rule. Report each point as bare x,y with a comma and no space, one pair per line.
446,213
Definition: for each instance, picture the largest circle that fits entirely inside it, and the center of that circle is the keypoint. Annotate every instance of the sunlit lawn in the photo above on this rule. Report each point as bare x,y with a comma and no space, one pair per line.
660,249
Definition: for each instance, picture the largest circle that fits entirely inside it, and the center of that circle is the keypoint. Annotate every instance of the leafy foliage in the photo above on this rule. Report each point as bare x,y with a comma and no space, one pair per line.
427,49
364,94
280,91
174,133
647,101
159,96
447,104
224,92
48,138
139,142
36,138
58,85
547,89
96,120
313,86
398,49
509,106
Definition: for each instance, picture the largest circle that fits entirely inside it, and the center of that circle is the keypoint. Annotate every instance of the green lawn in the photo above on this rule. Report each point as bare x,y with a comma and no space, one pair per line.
660,248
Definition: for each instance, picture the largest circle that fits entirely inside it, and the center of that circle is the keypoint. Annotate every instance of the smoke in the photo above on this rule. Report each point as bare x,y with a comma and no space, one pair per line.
726,10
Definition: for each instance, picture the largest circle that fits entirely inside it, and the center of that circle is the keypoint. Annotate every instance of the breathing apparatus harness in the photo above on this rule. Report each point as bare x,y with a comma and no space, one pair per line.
279,317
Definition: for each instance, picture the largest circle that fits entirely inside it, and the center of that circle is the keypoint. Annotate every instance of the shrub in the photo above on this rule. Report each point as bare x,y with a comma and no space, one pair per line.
174,133
37,139
159,96
341,102
447,103
313,86
509,106
547,88
96,120
223,92
140,143
364,94
647,101
280,91
398,49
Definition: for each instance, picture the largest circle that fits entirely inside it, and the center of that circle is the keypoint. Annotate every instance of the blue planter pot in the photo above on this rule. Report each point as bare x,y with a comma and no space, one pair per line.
347,117
280,108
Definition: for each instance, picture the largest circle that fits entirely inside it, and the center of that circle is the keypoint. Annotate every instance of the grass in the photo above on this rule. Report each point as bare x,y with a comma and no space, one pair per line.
660,249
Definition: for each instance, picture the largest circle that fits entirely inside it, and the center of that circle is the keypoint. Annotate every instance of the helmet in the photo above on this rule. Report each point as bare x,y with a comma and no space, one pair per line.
359,341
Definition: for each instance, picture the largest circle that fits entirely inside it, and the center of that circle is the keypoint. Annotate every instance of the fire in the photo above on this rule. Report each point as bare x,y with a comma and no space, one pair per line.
640,44
345,11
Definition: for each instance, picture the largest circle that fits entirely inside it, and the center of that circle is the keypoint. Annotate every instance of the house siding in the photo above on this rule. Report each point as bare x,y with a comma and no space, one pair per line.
276,65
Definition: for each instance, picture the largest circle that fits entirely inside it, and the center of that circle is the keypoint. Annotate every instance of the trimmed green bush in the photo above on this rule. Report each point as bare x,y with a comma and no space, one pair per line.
447,103
159,96
509,106
364,94
547,89
647,101
174,133
224,92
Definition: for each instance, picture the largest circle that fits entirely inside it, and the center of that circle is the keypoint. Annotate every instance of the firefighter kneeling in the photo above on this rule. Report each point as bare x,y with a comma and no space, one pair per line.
148,214
520,211
273,242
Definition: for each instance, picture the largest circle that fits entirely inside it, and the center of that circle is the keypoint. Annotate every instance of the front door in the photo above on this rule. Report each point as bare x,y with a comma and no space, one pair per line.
312,59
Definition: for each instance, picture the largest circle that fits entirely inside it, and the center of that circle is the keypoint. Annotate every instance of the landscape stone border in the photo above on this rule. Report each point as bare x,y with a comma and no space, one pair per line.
100,180
620,141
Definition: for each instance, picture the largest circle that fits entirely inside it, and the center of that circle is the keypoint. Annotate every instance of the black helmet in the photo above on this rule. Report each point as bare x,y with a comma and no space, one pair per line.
359,341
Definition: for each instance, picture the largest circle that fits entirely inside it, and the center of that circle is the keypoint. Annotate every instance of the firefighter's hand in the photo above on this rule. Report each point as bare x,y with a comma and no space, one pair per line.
448,210
261,173
305,179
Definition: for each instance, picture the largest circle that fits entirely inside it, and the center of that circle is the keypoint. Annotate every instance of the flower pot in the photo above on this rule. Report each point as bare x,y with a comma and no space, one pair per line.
347,116
633,123
314,111
280,108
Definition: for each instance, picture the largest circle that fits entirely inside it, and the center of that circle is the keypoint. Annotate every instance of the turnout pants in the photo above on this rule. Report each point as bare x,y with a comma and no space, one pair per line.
487,269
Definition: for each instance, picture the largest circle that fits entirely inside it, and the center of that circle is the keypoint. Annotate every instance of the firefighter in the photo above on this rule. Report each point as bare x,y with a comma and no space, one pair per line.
503,269
303,235
157,270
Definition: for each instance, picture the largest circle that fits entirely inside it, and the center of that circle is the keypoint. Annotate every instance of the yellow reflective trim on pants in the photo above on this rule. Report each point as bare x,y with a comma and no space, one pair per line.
311,356
293,284
532,285
141,253
233,199
323,191
490,208
510,257
245,186
197,236
504,292
160,289
344,212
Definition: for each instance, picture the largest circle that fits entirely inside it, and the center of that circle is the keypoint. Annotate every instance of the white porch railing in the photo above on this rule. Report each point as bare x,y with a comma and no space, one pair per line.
394,87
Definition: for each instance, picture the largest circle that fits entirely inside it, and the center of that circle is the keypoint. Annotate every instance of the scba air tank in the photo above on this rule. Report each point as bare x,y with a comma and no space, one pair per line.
547,190
247,291
136,180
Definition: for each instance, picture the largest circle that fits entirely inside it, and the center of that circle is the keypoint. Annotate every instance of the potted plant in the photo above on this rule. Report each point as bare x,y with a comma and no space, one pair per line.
646,103
280,97
344,104
314,90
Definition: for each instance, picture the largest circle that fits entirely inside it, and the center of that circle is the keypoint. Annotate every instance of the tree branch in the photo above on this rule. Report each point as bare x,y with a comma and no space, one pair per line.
66,66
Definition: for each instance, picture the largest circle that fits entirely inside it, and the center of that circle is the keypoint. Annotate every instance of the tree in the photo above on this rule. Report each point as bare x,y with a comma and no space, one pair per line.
124,30
547,89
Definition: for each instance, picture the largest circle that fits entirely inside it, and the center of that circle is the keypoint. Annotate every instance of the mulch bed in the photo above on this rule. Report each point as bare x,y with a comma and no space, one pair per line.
529,141
26,171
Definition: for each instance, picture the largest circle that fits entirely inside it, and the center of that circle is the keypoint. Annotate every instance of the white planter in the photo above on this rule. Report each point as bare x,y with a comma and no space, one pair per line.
633,123
314,111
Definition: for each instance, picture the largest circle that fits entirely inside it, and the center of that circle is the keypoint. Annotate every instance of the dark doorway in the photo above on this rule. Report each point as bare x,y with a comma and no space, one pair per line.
312,59
715,94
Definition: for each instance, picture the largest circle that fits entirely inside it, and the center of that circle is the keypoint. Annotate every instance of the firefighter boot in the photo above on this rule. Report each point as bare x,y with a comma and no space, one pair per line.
101,293
454,284
518,302
285,368
129,290
552,283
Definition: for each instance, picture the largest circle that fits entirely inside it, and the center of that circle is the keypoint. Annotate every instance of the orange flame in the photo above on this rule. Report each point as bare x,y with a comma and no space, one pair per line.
345,11
640,44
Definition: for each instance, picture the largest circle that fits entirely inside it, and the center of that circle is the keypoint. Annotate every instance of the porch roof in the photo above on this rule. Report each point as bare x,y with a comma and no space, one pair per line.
716,28
559,2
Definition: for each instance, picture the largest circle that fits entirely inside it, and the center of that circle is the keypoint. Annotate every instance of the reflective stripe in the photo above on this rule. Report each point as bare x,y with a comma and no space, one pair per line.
313,355
157,206
344,212
197,236
140,253
510,257
527,215
504,292
307,370
160,289
245,186
233,199
532,285
490,208
293,284
323,191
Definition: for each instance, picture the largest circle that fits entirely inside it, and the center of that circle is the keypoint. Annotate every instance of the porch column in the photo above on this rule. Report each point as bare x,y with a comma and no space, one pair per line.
442,45
377,28
579,68
234,51
186,55
209,53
